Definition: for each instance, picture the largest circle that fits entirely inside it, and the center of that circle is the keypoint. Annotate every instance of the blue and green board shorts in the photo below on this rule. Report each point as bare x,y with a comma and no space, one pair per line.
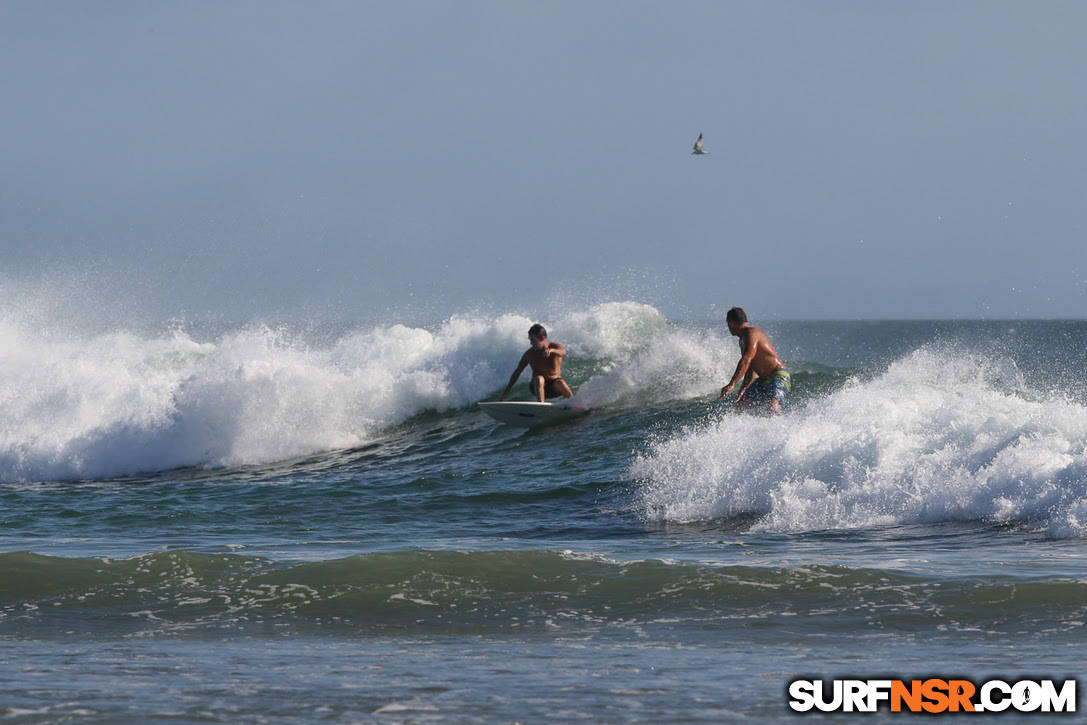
775,386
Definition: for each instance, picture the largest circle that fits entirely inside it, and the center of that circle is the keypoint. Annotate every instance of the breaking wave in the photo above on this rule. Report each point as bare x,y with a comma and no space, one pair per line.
117,403
938,436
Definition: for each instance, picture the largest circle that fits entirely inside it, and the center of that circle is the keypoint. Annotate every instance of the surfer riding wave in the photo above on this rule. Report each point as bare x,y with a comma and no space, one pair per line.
757,357
545,358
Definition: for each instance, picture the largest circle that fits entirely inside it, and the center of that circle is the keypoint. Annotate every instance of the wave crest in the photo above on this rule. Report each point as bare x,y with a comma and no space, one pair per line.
119,403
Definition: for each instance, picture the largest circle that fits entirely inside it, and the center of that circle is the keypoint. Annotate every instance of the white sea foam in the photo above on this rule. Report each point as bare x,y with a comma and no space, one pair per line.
936,437
646,359
99,404
117,403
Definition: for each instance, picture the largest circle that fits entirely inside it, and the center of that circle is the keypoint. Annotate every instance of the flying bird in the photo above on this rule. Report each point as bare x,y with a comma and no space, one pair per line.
698,146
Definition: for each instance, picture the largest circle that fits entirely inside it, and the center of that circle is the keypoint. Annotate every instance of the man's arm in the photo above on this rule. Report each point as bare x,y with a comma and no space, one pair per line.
748,379
743,368
516,374
556,350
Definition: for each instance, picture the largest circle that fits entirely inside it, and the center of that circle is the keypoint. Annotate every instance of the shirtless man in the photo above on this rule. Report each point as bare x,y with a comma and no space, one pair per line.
546,361
757,357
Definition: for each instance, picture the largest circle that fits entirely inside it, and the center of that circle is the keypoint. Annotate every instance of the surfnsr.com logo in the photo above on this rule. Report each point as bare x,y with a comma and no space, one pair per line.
933,695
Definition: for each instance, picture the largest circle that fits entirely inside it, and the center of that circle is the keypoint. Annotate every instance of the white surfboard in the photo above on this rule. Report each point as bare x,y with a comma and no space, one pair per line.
532,414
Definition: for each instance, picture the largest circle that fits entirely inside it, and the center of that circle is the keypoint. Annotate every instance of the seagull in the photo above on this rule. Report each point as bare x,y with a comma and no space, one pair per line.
698,146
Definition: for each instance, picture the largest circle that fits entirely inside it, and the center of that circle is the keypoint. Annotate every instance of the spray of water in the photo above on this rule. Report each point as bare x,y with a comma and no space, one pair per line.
936,437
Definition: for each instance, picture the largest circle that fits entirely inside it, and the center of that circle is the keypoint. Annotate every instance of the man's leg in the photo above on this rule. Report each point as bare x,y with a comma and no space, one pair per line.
562,388
539,387
750,398
777,395
754,397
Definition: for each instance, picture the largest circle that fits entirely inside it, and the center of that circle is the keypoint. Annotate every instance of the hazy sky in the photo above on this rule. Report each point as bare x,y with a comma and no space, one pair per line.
374,159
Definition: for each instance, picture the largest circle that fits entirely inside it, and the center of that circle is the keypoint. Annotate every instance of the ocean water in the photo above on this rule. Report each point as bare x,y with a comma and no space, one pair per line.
315,523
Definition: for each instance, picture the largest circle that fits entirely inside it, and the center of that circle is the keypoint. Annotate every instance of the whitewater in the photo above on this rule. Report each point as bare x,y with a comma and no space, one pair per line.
120,403
971,442
295,521
942,433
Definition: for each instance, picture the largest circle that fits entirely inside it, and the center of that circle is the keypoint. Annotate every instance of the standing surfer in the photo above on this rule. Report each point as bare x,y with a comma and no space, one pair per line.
546,360
757,357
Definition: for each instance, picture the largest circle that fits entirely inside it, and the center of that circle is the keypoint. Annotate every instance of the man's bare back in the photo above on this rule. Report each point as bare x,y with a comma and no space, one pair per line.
757,358
766,360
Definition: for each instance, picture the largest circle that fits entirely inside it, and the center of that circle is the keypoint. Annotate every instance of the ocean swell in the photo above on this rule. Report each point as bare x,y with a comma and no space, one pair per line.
428,592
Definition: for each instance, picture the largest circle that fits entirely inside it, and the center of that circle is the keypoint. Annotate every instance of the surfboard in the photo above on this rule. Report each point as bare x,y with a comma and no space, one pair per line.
532,414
